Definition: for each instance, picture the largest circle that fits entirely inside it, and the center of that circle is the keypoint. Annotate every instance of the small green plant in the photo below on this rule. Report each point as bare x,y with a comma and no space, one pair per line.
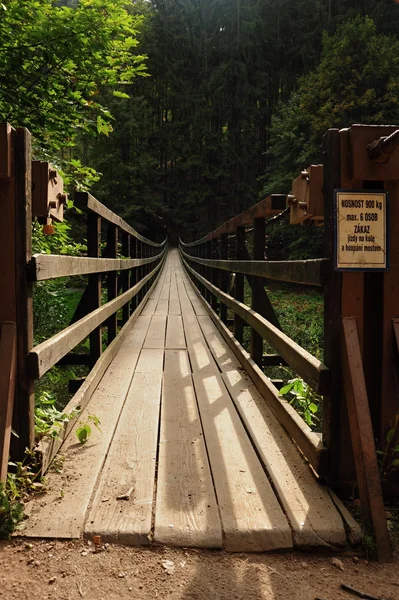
48,419
305,400
84,431
23,480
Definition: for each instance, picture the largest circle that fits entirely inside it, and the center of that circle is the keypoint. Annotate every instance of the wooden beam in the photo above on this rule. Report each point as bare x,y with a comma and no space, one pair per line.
306,272
86,200
24,407
51,266
49,448
368,476
48,353
307,441
268,207
302,362
8,368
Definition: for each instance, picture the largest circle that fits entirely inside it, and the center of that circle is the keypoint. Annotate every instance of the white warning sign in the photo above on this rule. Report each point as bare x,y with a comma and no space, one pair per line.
361,231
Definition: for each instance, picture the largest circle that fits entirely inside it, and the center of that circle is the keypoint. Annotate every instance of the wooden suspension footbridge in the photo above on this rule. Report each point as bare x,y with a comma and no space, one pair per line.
197,447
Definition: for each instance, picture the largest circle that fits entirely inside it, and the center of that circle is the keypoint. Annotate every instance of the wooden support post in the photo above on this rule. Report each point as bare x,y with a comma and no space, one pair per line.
125,276
24,408
368,476
258,289
213,273
334,413
93,293
133,273
140,272
224,276
112,279
239,282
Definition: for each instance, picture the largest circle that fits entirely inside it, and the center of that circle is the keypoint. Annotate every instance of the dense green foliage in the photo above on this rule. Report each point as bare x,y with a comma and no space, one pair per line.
357,81
197,141
55,58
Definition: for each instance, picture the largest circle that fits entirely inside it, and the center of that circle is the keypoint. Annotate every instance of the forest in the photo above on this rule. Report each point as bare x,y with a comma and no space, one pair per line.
179,114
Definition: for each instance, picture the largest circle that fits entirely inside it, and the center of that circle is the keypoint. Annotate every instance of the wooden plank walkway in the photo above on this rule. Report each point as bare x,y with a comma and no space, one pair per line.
189,454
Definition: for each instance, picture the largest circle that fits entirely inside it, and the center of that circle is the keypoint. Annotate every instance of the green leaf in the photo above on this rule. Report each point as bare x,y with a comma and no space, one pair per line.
83,433
119,94
313,407
390,435
286,388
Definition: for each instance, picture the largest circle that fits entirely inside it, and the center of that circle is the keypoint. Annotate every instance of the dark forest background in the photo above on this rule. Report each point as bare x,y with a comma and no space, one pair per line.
192,110
239,95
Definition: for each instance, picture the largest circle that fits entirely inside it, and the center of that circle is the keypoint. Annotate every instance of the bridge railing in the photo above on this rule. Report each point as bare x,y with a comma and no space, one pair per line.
126,262
129,282
218,265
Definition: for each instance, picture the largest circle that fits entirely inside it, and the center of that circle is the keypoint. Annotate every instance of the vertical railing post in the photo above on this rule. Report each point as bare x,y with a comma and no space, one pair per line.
133,272
94,282
333,409
214,274
259,236
139,269
125,274
224,276
24,408
112,283
239,282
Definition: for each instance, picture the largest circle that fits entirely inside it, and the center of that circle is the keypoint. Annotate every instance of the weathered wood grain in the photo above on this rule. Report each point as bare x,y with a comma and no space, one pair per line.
48,353
314,520
51,266
130,464
60,513
308,441
305,272
301,361
186,510
175,333
156,332
251,517
86,200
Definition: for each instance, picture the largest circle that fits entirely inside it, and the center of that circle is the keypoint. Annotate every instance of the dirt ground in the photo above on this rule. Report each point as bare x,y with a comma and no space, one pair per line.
69,570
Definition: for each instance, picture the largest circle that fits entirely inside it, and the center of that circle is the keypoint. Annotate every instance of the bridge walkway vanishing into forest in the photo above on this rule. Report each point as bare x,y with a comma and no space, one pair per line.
189,453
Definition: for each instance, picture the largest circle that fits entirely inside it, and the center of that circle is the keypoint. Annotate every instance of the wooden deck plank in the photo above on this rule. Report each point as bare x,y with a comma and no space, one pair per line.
60,513
156,332
222,354
175,333
313,517
252,519
165,289
186,510
162,306
130,464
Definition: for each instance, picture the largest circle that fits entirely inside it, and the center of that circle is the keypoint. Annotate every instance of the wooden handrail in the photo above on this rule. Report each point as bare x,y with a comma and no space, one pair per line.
307,366
270,206
51,266
306,272
44,356
86,201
